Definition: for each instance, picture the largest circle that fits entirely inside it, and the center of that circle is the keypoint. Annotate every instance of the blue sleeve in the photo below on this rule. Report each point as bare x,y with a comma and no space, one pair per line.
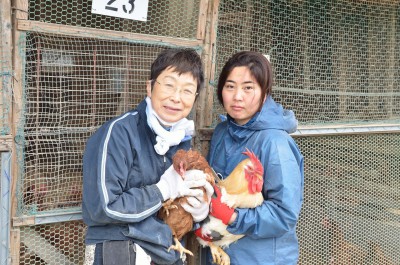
282,190
107,160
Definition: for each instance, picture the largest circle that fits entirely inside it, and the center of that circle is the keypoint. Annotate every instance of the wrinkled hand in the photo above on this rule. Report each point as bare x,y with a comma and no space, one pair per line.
219,209
201,178
198,206
198,209
171,185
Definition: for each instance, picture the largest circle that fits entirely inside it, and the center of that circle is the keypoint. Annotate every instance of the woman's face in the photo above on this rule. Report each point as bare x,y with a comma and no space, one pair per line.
173,95
241,95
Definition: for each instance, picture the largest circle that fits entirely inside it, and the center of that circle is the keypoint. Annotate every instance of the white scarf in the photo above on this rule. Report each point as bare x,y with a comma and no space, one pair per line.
165,139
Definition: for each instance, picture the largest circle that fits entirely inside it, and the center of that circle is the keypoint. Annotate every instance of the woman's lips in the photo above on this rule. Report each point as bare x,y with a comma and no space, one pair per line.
171,108
236,107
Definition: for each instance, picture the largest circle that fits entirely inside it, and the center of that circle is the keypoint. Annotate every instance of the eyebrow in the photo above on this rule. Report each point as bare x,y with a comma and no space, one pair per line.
176,79
246,82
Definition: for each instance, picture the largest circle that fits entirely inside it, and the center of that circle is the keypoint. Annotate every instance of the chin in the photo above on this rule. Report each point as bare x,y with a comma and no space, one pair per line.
171,119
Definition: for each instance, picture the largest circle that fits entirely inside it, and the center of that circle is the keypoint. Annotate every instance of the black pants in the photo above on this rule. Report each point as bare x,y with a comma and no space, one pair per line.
115,253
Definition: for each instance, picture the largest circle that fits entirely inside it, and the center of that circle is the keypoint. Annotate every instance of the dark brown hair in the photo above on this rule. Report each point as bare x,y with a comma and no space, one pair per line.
259,67
183,61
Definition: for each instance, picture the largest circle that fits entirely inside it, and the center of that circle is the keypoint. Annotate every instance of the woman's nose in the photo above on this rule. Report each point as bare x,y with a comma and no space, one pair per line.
176,96
238,94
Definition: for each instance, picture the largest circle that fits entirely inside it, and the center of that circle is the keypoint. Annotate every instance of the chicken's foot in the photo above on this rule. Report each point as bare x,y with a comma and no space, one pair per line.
219,256
178,247
167,206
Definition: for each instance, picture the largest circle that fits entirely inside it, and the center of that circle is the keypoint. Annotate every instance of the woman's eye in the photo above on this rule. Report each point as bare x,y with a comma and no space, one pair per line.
248,88
169,87
188,92
229,87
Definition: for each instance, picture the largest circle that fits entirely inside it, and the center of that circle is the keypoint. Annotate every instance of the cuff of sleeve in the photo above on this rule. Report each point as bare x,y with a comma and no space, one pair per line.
234,223
164,189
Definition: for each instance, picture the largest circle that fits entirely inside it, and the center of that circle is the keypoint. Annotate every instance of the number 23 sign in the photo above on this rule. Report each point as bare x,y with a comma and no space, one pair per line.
130,9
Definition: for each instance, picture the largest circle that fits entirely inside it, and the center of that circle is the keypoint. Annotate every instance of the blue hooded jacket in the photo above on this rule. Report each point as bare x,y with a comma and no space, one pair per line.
270,228
120,198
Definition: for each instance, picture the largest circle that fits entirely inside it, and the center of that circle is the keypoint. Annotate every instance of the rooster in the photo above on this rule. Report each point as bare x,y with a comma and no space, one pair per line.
180,221
241,189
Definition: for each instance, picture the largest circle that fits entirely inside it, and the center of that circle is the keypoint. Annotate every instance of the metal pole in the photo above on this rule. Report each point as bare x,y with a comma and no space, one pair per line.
5,202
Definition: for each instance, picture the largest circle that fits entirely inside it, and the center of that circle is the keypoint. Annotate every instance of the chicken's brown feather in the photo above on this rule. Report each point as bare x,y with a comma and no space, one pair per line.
173,214
180,221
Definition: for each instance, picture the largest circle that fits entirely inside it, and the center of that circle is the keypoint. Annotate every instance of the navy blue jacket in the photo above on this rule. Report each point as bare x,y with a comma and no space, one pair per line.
269,229
120,198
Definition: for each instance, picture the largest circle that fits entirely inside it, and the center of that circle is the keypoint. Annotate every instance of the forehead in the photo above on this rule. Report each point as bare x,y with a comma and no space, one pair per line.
171,74
240,74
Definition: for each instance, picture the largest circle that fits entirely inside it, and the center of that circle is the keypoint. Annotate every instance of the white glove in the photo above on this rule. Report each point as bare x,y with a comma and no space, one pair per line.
172,185
197,206
201,178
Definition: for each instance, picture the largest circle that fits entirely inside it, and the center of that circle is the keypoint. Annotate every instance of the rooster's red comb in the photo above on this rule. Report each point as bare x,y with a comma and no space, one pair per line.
258,167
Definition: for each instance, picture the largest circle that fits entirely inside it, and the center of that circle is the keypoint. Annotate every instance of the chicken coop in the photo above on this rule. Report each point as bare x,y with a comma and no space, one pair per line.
66,69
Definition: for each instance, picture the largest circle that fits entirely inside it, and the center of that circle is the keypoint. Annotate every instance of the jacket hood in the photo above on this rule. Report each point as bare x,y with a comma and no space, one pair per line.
271,116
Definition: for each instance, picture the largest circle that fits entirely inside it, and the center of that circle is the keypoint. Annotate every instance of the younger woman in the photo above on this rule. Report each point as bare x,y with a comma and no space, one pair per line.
256,122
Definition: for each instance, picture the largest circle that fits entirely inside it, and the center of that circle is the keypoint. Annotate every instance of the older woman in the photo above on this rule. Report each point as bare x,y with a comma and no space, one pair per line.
256,122
127,171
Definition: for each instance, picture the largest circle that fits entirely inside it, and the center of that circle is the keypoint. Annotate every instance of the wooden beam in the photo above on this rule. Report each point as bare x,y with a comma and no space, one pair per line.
20,12
376,2
205,134
205,102
40,219
6,143
74,31
202,20
15,236
5,62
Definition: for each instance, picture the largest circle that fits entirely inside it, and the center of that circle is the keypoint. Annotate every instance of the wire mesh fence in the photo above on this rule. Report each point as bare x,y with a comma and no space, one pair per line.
333,61
73,85
352,200
165,18
59,243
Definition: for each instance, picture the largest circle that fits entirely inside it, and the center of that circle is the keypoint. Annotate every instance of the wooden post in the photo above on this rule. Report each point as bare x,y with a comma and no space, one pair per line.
5,62
201,22
206,32
205,101
20,13
15,239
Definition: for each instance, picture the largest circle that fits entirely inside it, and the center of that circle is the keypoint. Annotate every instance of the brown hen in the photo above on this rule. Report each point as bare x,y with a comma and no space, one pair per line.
180,221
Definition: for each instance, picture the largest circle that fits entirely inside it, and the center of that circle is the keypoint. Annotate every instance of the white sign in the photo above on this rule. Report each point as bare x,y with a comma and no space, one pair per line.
130,9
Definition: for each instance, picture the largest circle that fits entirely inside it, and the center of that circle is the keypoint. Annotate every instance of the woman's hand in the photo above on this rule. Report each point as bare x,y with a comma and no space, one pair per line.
198,206
172,185
220,210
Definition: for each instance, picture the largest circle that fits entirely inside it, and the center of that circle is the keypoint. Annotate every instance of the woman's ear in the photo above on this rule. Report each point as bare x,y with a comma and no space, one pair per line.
148,88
